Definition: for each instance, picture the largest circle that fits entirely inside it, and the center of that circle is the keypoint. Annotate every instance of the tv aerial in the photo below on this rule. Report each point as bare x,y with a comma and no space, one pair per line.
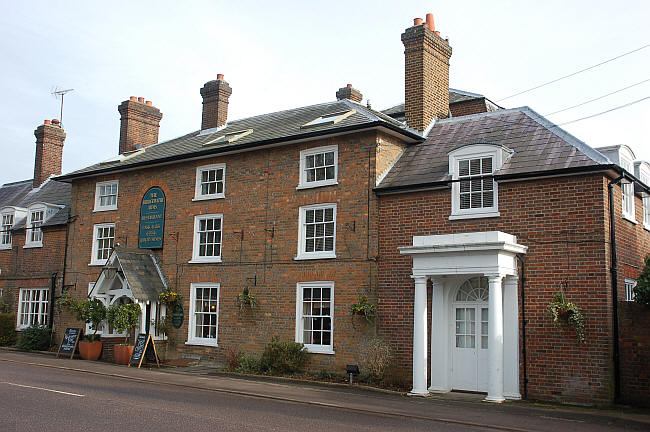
56,92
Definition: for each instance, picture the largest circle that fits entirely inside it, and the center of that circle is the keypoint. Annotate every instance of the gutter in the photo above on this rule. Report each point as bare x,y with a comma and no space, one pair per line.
239,147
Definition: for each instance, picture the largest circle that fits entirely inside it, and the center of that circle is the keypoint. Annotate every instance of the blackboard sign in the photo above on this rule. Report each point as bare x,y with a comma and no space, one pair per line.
69,342
178,316
152,219
144,349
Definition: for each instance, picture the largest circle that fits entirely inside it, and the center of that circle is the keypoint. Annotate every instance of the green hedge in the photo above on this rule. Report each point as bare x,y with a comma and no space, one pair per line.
35,337
283,357
7,329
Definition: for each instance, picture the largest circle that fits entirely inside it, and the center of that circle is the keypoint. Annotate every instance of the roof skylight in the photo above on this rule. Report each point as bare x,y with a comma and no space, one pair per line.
329,119
229,137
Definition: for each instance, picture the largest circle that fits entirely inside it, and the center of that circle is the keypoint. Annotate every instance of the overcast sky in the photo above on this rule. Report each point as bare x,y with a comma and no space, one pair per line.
278,55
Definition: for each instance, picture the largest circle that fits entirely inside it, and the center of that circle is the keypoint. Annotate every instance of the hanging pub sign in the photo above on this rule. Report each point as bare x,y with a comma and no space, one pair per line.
178,316
152,219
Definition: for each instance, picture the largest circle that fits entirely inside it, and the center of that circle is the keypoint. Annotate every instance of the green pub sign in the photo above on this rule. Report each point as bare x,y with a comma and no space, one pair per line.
152,219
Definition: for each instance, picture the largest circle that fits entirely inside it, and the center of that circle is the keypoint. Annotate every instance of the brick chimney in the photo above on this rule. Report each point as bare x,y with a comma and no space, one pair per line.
140,122
215,103
349,92
49,151
426,74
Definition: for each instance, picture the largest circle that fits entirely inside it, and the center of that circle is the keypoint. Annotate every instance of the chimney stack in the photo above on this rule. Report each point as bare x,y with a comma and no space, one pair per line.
215,103
140,122
426,74
49,151
349,92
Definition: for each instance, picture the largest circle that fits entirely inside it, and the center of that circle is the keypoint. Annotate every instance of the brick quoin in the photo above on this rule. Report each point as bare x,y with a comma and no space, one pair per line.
564,222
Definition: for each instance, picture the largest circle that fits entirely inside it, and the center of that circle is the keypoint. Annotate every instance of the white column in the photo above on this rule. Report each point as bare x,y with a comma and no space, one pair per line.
420,338
439,342
511,338
495,340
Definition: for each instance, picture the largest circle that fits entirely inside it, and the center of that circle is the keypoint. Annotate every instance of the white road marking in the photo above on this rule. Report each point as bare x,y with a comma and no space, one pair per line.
45,389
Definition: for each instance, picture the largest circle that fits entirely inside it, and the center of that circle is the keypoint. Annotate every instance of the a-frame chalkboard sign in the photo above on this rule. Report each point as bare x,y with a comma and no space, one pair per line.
144,348
69,342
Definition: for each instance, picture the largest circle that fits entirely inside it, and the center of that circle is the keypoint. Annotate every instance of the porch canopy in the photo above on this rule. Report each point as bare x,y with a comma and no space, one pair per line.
453,262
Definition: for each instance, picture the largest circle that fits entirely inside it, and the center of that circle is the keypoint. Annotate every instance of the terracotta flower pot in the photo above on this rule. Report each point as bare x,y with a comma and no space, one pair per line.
90,350
122,353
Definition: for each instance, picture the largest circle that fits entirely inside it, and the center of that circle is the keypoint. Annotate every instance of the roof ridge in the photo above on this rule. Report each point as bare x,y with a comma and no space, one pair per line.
18,182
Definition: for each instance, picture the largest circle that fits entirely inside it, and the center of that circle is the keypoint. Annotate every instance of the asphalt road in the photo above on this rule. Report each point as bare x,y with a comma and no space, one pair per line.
37,398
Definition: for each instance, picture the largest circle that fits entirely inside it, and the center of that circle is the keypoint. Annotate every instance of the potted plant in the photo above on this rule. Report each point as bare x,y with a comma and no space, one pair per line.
170,297
246,300
567,313
124,318
363,308
91,312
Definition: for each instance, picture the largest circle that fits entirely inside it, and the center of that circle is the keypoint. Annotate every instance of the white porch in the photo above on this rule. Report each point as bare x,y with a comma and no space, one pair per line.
475,313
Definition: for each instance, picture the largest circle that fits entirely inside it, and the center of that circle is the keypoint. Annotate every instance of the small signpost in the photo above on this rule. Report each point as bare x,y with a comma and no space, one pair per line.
69,342
144,349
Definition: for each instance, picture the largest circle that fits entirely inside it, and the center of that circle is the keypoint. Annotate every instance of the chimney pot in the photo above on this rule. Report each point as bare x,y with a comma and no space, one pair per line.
133,98
141,99
349,86
430,23
46,122
149,103
417,21
55,121
219,76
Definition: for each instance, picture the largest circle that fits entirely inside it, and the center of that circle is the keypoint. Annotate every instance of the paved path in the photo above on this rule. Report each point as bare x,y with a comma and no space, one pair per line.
130,398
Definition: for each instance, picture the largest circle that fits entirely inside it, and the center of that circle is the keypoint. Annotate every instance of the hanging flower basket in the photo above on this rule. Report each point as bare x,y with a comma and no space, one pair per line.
246,300
567,313
170,297
363,308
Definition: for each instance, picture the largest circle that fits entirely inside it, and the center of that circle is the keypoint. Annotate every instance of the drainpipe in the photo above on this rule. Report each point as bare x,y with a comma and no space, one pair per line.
52,290
523,325
614,271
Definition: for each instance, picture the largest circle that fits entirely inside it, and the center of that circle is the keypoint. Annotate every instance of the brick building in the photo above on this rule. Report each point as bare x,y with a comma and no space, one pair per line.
309,208
34,215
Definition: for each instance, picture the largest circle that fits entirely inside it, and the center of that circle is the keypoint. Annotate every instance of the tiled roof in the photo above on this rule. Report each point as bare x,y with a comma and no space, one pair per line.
21,194
268,128
539,146
141,272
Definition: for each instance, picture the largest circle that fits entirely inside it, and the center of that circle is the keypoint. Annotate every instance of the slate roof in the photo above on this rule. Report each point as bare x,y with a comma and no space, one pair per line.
141,272
539,146
266,129
21,194
455,96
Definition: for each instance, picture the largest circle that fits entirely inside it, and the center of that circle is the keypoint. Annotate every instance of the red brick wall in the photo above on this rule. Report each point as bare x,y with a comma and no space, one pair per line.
49,152
634,334
563,223
262,201
474,106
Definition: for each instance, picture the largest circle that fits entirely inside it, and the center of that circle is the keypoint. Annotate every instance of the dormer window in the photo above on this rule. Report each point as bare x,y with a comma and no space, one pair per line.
627,190
34,236
6,223
474,191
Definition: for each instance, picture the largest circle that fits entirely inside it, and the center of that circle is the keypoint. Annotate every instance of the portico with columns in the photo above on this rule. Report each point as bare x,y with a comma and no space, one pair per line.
474,343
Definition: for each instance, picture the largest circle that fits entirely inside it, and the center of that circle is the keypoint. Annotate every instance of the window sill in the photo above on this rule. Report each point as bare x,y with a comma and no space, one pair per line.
319,350
311,186
5,247
208,342
630,219
305,257
33,245
210,197
459,216
97,263
204,261
103,209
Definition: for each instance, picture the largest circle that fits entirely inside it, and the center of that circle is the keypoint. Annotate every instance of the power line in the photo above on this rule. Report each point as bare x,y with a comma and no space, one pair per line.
598,98
574,73
605,112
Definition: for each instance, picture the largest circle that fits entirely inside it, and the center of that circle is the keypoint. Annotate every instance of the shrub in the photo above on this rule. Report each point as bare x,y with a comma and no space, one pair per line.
283,357
376,357
7,329
35,337
642,288
233,358
247,363
124,317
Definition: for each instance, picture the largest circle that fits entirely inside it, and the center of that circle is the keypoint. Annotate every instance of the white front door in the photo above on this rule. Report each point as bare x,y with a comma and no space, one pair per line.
469,331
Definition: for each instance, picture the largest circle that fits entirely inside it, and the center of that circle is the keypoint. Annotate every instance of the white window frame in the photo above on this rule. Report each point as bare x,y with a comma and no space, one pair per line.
98,187
313,348
629,289
93,257
195,247
302,233
644,176
191,327
6,236
198,196
38,310
30,230
475,151
627,192
303,183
